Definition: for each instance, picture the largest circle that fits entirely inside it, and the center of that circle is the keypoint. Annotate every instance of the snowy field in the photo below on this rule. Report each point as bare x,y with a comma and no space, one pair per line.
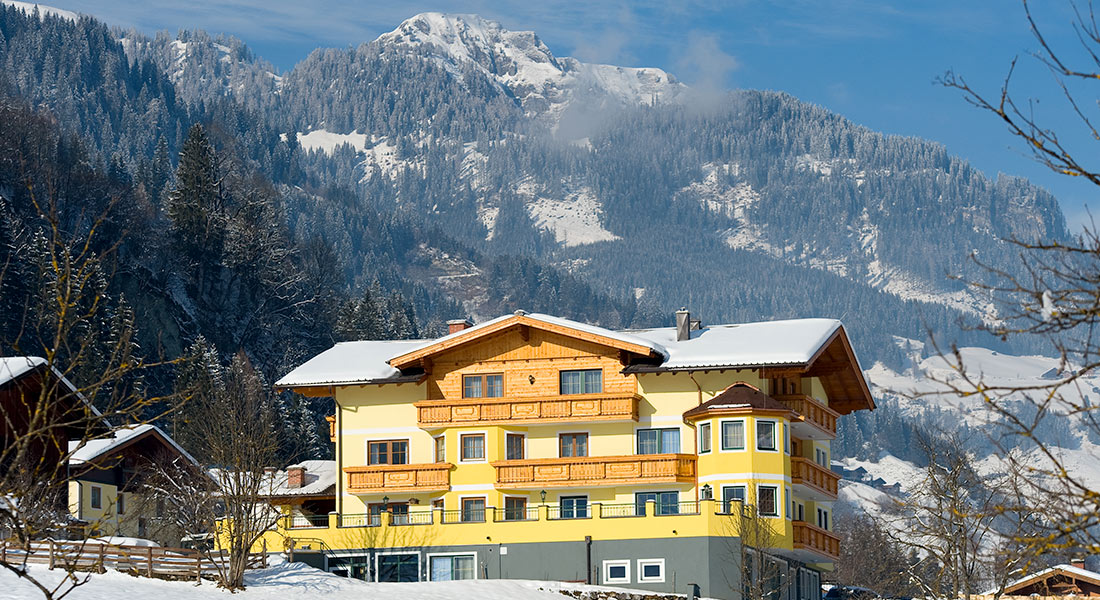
285,581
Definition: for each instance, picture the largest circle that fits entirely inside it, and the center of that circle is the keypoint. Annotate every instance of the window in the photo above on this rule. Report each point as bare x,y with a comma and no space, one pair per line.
514,446
473,510
398,568
121,503
733,435
473,446
588,381
159,510
823,518
388,452
821,457
765,435
704,438
97,497
658,441
651,570
452,567
437,503
515,509
616,571
667,503
573,507
573,444
789,504
787,439
800,512
399,512
440,449
483,386
731,494
767,500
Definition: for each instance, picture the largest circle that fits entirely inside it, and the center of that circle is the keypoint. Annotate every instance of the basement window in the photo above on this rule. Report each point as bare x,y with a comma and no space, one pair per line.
616,571
651,570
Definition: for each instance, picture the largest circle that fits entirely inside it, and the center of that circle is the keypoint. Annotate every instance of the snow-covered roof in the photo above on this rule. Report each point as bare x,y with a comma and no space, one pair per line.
14,367
1064,569
81,451
320,478
769,343
349,362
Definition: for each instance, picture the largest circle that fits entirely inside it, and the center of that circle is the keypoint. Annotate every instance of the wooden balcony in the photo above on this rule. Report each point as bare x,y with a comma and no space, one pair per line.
518,410
595,471
816,421
378,479
816,541
331,420
812,480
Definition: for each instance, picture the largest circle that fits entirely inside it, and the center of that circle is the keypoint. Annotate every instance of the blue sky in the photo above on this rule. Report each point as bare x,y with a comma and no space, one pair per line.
874,62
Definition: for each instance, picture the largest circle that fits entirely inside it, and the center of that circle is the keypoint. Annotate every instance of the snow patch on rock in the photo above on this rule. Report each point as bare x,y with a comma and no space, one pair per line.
574,220
321,140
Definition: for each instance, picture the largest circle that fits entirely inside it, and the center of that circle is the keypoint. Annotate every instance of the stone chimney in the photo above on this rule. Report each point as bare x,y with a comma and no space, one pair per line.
456,325
683,325
295,476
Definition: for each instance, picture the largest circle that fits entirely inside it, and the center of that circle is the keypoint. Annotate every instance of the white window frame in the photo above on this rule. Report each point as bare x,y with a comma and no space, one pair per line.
587,505
789,504
778,501
786,438
428,559
485,516
775,435
485,454
607,564
644,562
379,555
709,437
722,436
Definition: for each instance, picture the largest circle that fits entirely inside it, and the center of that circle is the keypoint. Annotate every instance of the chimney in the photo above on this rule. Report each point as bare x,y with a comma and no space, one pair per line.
269,471
456,325
1078,562
683,325
295,476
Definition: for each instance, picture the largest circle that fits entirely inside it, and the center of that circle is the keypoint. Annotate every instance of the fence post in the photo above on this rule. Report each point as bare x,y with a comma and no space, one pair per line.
149,555
198,567
4,551
102,549
264,555
51,554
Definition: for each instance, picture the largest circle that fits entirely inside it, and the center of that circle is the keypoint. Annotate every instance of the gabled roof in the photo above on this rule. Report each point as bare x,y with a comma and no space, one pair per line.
738,398
606,337
1066,570
89,451
13,368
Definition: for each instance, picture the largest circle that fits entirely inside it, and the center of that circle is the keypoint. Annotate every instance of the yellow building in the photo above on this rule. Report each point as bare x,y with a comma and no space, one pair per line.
532,446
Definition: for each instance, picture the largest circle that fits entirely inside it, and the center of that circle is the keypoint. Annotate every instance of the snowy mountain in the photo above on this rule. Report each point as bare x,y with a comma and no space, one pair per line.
518,61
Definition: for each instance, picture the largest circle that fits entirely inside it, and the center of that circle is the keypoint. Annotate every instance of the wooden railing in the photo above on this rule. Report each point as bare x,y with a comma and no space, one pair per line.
515,410
807,473
149,561
595,470
816,539
431,477
812,411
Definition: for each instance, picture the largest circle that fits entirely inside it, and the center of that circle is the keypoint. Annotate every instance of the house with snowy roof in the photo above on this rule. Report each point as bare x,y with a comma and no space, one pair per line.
532,446
107,494
1071,579
305,492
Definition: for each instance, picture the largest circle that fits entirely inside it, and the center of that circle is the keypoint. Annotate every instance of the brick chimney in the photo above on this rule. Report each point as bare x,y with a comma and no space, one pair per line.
1078,562
295,476
456,325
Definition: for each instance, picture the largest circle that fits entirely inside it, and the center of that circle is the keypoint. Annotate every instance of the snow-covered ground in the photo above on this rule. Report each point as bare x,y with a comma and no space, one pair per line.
574,220
285,581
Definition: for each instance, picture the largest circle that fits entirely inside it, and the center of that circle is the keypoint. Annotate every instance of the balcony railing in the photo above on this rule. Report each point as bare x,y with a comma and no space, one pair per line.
815,481
513,410
818,422
817,540
433,477
595,471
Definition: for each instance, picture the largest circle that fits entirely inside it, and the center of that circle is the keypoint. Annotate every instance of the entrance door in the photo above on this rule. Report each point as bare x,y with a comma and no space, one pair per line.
399,568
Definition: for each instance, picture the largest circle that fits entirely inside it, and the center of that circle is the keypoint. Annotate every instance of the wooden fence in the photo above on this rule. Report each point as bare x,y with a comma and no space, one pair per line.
150,561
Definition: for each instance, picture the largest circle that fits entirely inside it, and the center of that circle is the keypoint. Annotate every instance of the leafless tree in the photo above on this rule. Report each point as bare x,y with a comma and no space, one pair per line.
230,427
1055,295
82,371
752,542
870,558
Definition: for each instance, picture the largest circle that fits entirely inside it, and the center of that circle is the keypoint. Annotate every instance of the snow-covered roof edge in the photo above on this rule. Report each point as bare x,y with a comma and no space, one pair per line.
1070,569
87,450
29,364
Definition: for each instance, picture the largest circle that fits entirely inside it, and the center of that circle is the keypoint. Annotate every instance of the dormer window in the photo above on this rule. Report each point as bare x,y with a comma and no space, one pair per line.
483,386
